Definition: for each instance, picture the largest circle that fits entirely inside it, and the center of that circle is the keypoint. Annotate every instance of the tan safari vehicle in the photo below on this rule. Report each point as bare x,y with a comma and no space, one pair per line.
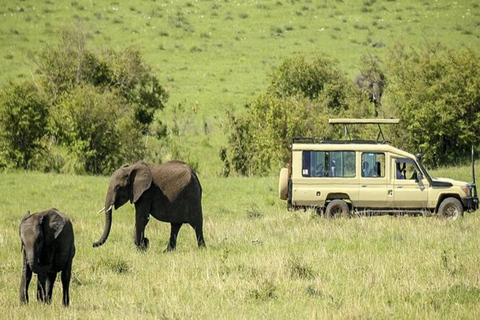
339,178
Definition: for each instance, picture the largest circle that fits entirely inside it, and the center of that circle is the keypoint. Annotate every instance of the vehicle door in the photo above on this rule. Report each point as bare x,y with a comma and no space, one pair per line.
373,182
409,189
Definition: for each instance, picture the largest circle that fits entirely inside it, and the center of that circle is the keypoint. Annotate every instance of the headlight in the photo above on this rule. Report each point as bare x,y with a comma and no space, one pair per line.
466,189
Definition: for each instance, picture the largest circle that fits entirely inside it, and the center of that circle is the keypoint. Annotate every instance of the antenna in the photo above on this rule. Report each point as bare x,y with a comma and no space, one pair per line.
474,185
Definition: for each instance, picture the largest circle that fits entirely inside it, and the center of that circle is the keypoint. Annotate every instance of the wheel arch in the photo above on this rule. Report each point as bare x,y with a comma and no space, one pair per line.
338,196
444,196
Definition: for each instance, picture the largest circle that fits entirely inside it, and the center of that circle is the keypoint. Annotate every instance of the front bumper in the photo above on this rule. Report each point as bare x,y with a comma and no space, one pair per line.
470,203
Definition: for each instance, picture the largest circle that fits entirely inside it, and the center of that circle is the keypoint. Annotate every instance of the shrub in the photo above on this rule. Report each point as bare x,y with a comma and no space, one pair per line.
299,99
99,106
23,123
436,92
71,64
98,129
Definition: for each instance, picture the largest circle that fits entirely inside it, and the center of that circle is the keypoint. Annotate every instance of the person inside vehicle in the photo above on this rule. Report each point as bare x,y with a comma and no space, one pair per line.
366,172
399,172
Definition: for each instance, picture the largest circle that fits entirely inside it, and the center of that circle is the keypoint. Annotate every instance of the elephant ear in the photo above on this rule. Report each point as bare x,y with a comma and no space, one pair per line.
27,214
172,177
56,223
141,180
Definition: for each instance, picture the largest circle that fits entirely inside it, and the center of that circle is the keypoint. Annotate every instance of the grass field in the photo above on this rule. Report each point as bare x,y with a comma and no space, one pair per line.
215,55
261,261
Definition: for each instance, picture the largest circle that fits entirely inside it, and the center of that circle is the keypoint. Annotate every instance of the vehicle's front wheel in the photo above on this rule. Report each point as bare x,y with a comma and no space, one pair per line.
337,209
450,208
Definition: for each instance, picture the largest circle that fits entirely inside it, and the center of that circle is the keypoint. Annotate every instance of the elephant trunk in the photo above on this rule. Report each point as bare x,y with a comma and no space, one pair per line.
34,262
108,225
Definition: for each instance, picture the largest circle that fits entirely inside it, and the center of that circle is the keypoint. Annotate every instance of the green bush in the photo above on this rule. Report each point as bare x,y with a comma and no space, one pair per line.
97,128
299,99
71,64
23,124
99,106
436,93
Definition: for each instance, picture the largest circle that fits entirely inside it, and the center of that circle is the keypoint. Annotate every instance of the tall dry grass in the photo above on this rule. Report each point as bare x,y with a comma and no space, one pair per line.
261,260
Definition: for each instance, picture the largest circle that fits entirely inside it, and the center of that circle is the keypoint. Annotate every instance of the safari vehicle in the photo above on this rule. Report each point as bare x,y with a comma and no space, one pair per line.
369,177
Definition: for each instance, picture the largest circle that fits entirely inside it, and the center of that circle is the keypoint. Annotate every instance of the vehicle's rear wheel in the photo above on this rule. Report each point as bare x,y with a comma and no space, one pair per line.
283,184
450,208
337,209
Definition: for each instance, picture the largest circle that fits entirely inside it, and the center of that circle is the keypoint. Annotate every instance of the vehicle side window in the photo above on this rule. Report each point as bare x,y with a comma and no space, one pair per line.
373,165
328,164
406,169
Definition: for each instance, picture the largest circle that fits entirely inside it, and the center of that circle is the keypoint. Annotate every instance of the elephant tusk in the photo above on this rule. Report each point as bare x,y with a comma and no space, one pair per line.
109,208
101,210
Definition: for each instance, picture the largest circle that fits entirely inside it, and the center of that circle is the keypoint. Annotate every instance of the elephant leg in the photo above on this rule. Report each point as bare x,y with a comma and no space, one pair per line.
198,227
41,287
172,243
25,282
66,276
49,287
142,216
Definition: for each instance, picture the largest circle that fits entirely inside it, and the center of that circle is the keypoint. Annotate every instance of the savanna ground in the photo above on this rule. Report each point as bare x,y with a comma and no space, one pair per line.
261,261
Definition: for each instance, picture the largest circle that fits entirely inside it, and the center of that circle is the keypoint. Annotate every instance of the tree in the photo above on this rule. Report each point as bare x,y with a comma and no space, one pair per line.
436,93
299,99
97,128
71,64
23,124
98,107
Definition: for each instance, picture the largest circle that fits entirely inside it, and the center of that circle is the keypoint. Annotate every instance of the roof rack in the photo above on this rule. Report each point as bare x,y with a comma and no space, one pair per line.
307,140
346,121
303,140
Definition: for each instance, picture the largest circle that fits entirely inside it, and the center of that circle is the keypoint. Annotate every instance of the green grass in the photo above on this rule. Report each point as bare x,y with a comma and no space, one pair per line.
216,55
261,260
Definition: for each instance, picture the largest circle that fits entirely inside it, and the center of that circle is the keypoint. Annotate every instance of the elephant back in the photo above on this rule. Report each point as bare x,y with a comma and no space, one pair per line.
171,177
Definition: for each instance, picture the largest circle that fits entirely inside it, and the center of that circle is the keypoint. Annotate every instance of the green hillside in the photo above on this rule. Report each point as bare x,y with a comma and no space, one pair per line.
215,55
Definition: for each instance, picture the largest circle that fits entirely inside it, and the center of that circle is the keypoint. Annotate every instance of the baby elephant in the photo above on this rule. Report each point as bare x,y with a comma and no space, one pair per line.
48,247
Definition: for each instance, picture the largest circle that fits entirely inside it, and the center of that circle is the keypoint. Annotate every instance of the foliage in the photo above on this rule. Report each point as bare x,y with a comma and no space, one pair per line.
72,64
217,53
98,128
99,106
436,93
299,100
23,124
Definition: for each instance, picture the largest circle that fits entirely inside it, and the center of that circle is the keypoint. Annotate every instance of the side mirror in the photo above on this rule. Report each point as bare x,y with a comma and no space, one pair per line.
419,177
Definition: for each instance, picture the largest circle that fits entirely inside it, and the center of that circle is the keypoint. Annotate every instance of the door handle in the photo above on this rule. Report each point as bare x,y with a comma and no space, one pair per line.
399,187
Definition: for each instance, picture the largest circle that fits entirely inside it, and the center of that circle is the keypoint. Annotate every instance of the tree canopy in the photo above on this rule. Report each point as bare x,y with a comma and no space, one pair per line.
83,112
435,91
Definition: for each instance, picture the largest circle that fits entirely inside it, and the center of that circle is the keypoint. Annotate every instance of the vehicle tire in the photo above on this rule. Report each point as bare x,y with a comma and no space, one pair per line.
283,184
337,209
450,208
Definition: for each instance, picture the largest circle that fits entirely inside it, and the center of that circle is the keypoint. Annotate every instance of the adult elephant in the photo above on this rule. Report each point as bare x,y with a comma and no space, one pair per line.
372,83
170,192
